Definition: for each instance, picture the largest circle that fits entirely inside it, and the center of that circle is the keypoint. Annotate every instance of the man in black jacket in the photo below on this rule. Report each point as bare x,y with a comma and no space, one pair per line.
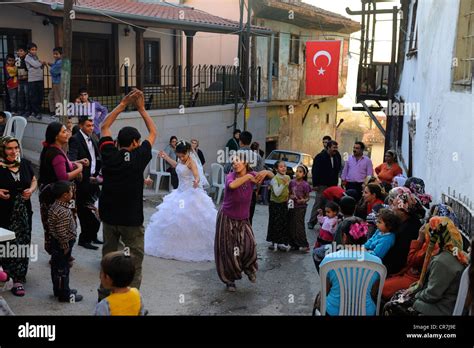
83,145
326,169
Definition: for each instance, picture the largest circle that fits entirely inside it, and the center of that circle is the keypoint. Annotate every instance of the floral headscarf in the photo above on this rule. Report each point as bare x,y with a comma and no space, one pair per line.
393,193
409,203
445,210
4,163
417,186
443,232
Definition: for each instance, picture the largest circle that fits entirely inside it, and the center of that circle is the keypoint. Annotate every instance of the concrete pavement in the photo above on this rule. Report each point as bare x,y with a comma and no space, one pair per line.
286,282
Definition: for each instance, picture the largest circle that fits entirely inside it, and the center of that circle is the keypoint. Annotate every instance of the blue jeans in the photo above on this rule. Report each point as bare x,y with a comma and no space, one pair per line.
23,105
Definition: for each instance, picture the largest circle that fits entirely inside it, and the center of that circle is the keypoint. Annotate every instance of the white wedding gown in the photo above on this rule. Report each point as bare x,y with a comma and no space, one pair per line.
184,226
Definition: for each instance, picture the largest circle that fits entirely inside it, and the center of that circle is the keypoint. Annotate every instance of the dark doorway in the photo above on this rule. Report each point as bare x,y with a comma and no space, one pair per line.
270,145
92,65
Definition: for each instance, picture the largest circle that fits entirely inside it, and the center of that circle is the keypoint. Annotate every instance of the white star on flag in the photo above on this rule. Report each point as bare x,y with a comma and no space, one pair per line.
321,71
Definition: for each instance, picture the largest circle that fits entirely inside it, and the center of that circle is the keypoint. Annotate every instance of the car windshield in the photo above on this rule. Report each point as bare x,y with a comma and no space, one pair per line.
284,156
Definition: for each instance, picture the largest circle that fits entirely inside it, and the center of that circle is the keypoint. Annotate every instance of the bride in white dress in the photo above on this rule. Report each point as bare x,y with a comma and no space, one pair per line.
183,228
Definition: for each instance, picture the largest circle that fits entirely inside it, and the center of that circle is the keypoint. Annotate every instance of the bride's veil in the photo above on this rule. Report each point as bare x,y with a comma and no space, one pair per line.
202,178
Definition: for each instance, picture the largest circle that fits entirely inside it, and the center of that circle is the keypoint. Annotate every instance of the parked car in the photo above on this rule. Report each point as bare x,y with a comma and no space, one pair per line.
292,160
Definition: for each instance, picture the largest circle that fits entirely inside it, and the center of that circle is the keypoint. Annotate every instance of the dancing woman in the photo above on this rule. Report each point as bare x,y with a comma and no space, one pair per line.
235,248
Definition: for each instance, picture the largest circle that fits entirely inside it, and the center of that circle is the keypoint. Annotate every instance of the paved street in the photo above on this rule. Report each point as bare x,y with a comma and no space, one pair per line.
286,282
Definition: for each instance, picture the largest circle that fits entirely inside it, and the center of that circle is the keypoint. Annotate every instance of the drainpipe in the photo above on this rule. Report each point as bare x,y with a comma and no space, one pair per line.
270,64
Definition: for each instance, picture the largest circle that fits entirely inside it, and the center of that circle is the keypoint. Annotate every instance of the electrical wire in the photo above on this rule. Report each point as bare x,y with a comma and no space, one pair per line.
302,38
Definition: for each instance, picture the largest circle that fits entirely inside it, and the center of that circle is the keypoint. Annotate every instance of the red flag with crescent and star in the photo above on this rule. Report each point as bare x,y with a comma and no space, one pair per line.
322,67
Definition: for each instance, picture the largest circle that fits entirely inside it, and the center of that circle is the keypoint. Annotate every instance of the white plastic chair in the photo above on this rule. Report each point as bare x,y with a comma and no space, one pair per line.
6,235
462,293
9,116
16,127
218,179
159,171
354,279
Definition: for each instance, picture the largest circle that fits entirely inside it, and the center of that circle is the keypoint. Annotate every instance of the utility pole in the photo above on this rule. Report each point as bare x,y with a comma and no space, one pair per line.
237,86
68,16
246,65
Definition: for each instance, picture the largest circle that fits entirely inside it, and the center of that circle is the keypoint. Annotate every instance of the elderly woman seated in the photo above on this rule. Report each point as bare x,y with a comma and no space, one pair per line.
416,256
436,291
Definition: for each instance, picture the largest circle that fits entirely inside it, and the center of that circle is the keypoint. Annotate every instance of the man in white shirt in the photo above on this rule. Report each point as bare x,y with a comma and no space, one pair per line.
83,145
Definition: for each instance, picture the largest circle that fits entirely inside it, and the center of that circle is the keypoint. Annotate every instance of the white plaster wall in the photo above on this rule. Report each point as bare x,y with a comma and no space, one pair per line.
207,124
212,48
443,146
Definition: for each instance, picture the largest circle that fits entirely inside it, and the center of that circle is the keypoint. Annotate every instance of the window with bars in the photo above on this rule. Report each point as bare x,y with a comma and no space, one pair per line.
463,61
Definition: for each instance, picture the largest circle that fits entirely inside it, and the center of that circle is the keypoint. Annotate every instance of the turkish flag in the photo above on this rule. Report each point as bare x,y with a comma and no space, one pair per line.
322,67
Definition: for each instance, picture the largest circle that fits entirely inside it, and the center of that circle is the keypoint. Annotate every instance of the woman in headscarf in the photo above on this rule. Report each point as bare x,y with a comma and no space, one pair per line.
436,291
17,183
408,208
411,273
393,193
399,181
417,187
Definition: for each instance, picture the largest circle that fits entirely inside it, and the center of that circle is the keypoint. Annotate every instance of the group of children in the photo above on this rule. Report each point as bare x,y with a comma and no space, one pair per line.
380,230
287,209
25,81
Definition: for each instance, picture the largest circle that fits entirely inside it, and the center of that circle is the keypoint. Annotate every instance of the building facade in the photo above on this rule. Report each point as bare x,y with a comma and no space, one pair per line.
295,121
437,141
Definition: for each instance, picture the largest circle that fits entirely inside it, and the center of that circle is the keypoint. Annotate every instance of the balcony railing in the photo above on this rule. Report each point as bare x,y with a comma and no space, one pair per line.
462,206
372,82
165,87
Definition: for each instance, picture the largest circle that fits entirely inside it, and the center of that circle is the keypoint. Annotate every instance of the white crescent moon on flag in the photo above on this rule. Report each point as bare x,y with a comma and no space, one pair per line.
322,53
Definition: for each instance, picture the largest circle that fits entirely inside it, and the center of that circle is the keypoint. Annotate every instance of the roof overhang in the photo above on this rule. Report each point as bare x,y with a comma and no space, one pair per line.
304,16
103,15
